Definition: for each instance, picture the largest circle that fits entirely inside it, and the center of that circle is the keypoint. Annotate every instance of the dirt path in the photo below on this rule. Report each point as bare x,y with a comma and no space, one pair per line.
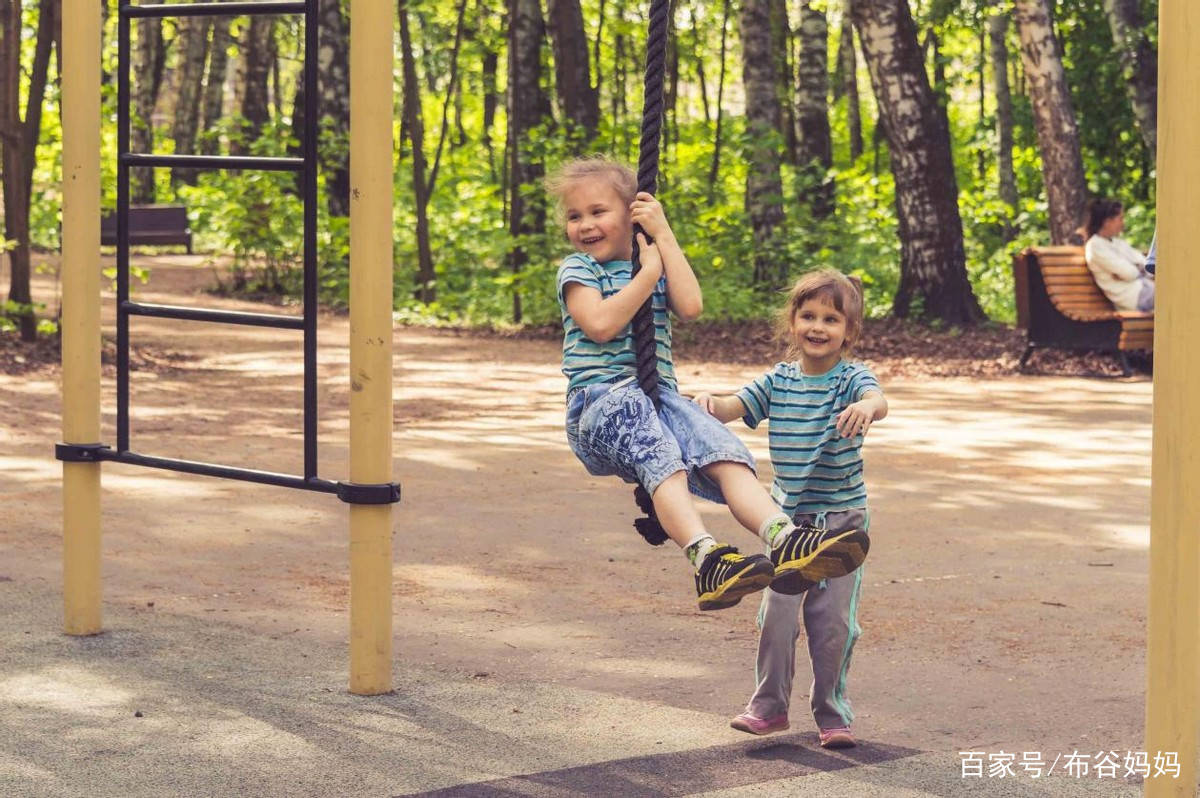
1003,606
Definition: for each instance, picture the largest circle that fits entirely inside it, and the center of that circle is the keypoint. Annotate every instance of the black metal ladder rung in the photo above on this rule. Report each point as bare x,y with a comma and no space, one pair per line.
277,321
212,9
132,159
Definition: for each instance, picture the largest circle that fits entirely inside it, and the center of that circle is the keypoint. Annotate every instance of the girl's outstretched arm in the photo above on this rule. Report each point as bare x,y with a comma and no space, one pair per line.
683,289
602,319
723,408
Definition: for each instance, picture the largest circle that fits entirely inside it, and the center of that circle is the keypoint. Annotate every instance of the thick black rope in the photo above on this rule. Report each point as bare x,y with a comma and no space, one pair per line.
652,111
647,178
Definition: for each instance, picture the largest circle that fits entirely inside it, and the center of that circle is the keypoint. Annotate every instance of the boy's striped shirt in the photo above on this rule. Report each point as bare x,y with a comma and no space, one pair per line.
585,361
816,470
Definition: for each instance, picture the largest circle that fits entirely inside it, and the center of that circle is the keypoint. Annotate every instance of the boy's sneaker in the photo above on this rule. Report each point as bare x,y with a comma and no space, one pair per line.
752,724
725,575
813,554
840,737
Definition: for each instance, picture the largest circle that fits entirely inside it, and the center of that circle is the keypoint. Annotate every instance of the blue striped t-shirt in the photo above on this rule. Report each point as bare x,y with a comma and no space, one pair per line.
816,470
585,361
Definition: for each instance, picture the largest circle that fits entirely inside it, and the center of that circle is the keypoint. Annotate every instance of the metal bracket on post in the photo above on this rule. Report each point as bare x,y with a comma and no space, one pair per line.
384,493
80,452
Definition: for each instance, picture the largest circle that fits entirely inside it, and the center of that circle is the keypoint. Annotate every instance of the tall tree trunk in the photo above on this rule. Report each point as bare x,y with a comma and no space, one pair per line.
715,167
192,49
848,85
333,80
617,115
814,147
452,92
997,31
426,280
579,102
1054,118
1140,62
256,70
18,144
764,185
528,106
670,127
146,60
698,58
214,85
933,275
781,54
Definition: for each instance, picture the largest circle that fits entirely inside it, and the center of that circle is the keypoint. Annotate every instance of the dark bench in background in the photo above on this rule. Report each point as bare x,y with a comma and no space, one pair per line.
1059,305
150,225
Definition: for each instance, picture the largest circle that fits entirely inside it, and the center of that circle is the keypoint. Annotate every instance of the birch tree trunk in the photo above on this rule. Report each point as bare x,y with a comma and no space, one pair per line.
933,275
192,49
1054,118
528,106
1140,62
764,185
148,71
998,33
426,286
579,102
848,85
214,85
781,53
714,168
333,81
814,144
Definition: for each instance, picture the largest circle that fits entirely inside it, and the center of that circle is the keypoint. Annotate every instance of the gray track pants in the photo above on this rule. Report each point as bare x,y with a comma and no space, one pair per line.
830,614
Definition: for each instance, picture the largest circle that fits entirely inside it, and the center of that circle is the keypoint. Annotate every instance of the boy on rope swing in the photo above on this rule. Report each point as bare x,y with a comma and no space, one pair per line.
614,428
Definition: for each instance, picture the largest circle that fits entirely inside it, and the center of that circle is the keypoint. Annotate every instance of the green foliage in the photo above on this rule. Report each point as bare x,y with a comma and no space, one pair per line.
256,217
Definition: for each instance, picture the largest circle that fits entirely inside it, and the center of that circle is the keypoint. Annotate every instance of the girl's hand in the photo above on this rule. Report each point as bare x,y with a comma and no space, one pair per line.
649,256
706,402
855,419
646,211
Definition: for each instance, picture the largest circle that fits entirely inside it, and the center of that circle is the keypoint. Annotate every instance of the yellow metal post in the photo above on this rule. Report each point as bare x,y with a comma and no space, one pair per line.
371,28
81,312
1173,658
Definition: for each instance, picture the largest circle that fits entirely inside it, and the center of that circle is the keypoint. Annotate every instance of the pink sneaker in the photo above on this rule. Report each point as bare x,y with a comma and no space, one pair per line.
839,737
752,724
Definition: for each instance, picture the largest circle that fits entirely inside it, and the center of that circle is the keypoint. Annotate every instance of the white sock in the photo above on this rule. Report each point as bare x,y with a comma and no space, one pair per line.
698,548
773,529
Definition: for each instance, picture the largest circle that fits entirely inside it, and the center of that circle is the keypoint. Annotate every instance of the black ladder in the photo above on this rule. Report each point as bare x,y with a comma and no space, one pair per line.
306,166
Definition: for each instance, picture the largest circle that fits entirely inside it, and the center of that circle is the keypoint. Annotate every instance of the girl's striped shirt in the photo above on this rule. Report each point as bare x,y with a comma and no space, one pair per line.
816,470
585,361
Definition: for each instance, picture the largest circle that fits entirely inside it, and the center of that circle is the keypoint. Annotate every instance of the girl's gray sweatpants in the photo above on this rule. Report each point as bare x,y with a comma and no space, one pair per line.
830,615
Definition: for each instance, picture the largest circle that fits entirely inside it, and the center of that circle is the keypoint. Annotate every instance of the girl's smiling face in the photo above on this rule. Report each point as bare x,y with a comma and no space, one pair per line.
598,220
819,332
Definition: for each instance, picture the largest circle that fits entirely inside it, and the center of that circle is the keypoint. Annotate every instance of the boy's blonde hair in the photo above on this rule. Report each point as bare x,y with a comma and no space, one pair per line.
618,175
828,284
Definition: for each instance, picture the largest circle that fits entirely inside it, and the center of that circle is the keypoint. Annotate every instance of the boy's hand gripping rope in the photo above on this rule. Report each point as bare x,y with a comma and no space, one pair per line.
643,321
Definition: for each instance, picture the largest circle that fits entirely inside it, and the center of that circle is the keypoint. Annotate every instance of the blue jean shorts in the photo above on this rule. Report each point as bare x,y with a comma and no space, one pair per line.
614,430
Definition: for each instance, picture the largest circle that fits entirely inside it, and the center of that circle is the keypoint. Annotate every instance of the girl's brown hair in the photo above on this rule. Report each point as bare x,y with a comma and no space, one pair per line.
619,176
829,284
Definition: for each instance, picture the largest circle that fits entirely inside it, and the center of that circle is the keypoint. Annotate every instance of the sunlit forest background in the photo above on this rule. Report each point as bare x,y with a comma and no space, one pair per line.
918,145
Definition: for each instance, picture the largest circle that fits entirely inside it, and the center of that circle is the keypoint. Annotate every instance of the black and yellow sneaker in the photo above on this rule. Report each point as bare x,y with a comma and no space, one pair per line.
725,576
808,554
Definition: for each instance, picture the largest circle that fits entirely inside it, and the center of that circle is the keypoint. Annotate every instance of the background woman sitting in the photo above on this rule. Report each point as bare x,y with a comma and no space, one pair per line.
1119,268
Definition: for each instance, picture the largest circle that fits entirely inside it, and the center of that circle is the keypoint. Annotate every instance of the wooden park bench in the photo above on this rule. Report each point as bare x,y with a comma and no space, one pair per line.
1059,305
150,225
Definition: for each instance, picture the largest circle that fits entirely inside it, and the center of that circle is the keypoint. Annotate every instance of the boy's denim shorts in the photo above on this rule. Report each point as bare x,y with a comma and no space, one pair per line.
613,429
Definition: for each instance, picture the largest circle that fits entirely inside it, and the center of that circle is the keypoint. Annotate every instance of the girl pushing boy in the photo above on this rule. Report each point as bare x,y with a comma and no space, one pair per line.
680,449
819,407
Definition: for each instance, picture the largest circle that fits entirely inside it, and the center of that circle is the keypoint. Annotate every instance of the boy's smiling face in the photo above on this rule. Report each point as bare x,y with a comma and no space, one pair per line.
598,220
819,331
